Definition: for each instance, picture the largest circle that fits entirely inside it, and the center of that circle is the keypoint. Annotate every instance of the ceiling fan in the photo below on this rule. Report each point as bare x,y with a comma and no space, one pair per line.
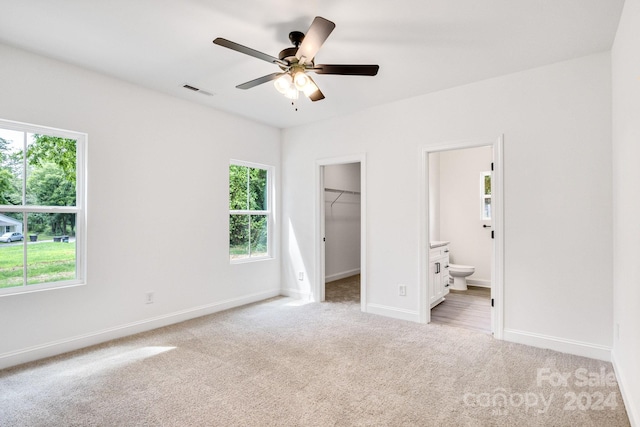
296,61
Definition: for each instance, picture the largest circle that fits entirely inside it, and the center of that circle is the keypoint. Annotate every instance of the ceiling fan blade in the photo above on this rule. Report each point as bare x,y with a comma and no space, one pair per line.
248,51
347,70
317,95
259,81
316,35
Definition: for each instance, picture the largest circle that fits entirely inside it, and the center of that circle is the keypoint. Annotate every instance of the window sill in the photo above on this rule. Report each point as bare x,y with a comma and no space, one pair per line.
250,260
29,289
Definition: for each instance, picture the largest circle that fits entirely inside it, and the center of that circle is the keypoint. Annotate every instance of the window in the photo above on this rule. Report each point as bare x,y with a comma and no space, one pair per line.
42,208
485,191
250,212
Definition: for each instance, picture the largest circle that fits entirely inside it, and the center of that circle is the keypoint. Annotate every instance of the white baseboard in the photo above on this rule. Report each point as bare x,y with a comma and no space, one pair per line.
632,406
479,282
578,348
342,275
393,312
81,341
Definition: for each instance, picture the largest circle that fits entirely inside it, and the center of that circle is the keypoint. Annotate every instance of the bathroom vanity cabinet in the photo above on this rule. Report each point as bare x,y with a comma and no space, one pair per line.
438,272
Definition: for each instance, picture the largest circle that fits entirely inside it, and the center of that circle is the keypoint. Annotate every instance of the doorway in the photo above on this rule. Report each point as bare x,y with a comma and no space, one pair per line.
341,229
464,214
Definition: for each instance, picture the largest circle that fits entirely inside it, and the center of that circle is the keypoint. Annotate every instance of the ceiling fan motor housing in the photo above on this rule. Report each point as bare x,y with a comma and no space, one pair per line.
289,54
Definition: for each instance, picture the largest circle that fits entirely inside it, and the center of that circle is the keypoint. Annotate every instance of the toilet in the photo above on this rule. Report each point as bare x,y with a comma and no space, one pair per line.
459,274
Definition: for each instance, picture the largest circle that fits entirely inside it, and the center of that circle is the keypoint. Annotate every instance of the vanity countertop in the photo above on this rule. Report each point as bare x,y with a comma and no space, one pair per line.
437,244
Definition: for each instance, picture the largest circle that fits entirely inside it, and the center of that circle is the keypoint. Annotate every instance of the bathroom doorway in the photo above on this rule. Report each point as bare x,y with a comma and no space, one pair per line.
341,230
463,230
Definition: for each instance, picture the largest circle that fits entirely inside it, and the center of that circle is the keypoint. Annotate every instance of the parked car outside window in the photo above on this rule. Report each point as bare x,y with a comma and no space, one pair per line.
11,237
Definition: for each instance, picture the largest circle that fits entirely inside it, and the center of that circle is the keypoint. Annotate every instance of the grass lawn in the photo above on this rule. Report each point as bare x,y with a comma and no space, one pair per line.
241,251
46,262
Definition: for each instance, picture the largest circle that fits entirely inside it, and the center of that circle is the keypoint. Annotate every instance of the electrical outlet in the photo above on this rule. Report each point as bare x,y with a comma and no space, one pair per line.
149,298
403,290
301,276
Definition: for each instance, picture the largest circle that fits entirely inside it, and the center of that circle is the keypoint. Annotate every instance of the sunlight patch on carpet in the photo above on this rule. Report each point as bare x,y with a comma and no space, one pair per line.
98,364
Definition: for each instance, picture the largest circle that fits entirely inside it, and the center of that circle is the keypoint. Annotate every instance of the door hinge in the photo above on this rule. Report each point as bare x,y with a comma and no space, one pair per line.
492,234
491,165
491,302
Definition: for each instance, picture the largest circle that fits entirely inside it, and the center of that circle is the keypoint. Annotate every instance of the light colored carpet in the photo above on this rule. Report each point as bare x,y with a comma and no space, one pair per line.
283,363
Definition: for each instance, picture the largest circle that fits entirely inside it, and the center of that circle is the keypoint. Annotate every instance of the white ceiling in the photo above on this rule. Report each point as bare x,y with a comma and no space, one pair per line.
421,45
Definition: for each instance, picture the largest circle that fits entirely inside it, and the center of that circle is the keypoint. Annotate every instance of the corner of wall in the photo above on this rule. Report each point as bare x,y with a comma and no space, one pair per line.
630,405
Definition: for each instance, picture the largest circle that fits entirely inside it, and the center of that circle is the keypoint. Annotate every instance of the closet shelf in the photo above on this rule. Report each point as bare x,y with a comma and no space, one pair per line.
334,190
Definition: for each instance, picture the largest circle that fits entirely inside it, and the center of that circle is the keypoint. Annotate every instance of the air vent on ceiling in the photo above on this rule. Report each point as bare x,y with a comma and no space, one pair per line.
195,89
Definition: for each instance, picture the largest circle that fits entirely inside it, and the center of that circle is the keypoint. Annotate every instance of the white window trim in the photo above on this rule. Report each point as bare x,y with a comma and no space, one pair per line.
79,209
270,212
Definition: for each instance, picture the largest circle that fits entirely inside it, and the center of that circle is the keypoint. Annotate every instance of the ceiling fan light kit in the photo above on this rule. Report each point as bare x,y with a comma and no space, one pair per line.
285,85
301,80
296,61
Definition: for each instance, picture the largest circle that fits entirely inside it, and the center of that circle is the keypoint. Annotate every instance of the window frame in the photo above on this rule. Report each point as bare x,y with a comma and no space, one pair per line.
269,212
484,196
80,208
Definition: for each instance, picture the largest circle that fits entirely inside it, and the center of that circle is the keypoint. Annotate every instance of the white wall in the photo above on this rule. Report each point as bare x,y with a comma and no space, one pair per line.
557,155
460,210
157,207
342,221
626,205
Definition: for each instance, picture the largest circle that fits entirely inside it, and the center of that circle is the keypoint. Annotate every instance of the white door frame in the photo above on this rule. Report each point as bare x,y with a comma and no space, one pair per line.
318,286
497,223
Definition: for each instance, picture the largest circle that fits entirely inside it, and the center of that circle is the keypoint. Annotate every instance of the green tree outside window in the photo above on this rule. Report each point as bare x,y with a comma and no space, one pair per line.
249,212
